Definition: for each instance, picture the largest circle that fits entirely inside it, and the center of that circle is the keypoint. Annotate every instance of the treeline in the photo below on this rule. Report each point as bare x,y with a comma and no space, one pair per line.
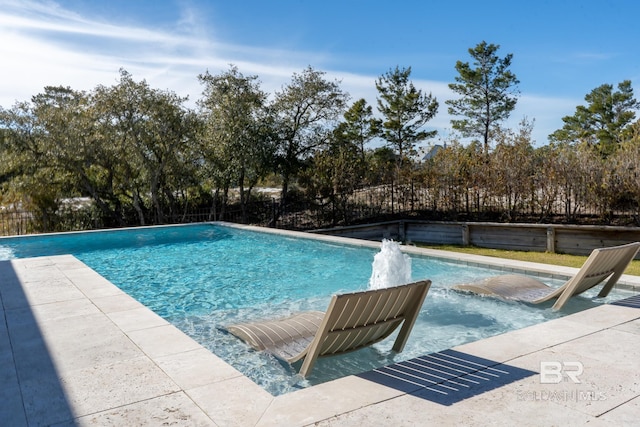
141,155
559,182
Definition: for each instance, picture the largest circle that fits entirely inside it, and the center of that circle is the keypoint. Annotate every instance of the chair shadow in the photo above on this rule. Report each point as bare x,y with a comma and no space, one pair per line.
447,377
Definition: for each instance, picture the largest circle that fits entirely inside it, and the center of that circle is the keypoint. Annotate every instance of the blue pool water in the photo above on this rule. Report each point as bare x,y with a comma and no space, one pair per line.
203,277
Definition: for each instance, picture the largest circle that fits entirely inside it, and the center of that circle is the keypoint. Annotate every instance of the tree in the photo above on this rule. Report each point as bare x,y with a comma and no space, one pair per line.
381,166
236,135
305,112
335,172
456,176
606,120
512,169
29,179
624,166
359,126
341,166
488,93
67,118
48,146
142,132
405,109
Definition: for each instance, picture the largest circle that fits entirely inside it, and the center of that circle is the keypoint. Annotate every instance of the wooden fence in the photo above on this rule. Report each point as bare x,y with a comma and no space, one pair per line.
569,239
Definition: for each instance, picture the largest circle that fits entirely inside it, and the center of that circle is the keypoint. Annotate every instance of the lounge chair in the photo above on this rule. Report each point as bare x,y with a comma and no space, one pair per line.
352,321
603,263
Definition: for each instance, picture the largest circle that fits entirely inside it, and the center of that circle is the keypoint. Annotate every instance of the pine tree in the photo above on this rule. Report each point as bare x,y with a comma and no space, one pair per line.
488,93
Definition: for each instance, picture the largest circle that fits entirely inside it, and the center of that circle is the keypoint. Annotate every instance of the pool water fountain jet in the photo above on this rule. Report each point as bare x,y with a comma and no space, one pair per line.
390,266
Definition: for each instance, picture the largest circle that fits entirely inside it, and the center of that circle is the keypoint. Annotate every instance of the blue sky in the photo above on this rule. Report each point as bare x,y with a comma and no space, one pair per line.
561,49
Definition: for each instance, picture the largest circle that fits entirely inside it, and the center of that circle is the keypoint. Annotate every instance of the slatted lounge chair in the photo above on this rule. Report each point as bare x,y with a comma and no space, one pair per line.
603,263
352,321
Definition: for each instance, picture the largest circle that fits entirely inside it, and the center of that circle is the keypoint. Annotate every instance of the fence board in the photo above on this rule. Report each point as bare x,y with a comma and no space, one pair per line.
378,231
507,236
440,233
581,240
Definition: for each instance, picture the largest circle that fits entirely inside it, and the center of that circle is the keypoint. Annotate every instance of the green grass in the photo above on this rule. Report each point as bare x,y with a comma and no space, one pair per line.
543,257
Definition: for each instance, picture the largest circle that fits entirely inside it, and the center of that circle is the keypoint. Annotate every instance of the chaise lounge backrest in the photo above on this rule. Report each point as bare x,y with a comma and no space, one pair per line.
359,319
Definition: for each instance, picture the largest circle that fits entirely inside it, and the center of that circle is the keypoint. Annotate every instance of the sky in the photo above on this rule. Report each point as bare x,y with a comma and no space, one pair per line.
562,49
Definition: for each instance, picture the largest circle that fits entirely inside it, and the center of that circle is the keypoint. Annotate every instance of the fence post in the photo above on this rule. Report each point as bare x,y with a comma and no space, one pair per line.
551,239
413,208
465,235
273,213
392,199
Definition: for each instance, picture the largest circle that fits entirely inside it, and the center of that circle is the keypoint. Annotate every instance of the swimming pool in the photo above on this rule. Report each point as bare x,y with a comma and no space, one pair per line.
203,277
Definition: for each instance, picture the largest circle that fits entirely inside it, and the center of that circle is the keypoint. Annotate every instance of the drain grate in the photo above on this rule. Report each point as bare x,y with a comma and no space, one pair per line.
633,301
446,377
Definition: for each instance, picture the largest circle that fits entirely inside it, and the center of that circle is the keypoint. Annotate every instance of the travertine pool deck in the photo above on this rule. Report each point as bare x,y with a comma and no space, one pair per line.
76,350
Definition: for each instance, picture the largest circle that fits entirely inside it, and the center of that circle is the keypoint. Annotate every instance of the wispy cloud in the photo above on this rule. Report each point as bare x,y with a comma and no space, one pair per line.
46,44
48,18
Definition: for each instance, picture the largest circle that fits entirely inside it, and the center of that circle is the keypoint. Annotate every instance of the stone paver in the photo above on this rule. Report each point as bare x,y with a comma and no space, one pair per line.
75,350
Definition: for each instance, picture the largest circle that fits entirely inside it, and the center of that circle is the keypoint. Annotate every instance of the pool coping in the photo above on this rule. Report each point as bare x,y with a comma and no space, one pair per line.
170,377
